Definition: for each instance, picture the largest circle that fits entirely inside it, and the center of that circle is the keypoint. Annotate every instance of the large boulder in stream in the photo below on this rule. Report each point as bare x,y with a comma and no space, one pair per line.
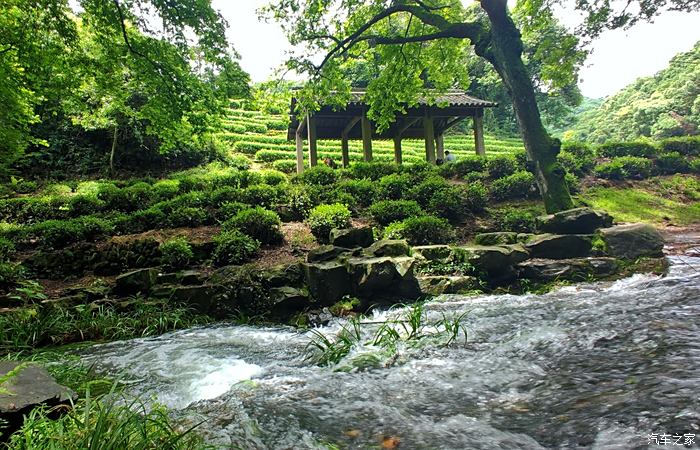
443,284
141,280
632,241
494,258
27,386
574,221
328,281
384,276
553,246
576,269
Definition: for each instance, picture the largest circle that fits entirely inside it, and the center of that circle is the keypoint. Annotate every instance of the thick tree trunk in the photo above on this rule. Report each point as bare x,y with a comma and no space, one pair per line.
505,53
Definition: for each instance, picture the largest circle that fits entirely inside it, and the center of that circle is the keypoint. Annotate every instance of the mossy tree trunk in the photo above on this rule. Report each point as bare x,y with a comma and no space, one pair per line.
504,51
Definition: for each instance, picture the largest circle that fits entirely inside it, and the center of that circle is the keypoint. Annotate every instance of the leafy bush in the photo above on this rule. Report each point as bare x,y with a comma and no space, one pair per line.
575,164
274,177
362,191
424,191
187,216
57,233
229,210
463,166
387,211
258,223
128,199
474,196
261,195
372,170
419,171
686,145
140,221
6,249
225,194
670,163
625,167
521,221
176,253
501,166
92,228
25,186
82,205
394,186
579,149
285,165
612,170
300,201
694,166
323,218
421,230
518,185
619,149
166,189
318,176
10,274
234,247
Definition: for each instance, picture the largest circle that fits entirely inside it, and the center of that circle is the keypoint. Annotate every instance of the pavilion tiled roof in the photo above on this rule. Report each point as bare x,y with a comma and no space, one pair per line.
452,97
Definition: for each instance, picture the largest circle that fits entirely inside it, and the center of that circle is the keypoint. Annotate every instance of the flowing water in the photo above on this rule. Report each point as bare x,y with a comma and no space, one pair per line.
600,366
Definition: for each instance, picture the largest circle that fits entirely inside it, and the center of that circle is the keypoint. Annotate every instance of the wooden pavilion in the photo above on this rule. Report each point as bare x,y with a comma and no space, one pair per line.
426,121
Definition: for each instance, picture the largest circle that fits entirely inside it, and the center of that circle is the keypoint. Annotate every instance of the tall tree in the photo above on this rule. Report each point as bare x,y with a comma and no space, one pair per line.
427,39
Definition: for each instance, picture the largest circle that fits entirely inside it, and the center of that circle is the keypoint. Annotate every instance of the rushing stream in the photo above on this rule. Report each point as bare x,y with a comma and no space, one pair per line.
599,366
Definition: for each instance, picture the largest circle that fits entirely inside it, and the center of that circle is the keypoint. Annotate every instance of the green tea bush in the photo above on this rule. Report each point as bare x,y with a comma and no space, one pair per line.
192,199
385,212
424,191
518,185
228,210
176,254
262,195
300,201
57,233
7,248
362,191
323,218
274,177
686,145
625,167
186,216
225,194
421,230
285,165
520,221
25,186
694,166
372,170
258,223
394,186
501,166
448,203
318,176
575,164
618,149
463,166
93,228
10,274
147,219
239,162
670,163
612,170
234,247
579,149
474,196
166,189
82,205
273,124
419,171
31,210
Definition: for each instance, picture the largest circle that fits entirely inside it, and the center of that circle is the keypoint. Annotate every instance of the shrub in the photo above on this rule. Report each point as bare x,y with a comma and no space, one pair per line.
9,274
475,196
228,210
192,199
318,176
387,211
140,221
694,166
372,170
612,170
82,205
419,171
323,218
501,166
93,228
518,185
575,164
448,203
424,191
57,233
261,195
517,220
258,223
394,186
579,149
186,216
225,194
6,249
686,145
362,191
670,163
463,166
239,162
300,201
635,167
285,165
618,149
175,254
274,177
421,230
166,189
234,247
276,124
127,199
25,186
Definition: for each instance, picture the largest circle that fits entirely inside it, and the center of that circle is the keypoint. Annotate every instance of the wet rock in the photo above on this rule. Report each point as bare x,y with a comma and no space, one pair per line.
440,253
389,247
325,253
30,386
285,275
352,237
436,285
287,300
494,258
201,298
574,221
576,269
632,241
498,238
141,280
328,282
553,246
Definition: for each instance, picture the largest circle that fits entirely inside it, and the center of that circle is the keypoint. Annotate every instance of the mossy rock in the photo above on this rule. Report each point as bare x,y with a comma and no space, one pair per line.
574,221
632,241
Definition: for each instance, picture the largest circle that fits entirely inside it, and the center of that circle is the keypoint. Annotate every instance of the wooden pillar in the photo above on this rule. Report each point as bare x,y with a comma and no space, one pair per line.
344,145
313,145
398,156
439,140
479,133
300,146
367,138
429,130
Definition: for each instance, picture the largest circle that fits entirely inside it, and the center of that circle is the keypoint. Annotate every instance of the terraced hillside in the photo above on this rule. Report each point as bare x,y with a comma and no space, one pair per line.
264,137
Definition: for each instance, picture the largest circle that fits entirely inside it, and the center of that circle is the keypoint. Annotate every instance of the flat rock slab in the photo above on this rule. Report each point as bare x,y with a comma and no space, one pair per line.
574,221
575,269
29,387
554,246
497,238
633,241
494,258
441,253
437,284
352,237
